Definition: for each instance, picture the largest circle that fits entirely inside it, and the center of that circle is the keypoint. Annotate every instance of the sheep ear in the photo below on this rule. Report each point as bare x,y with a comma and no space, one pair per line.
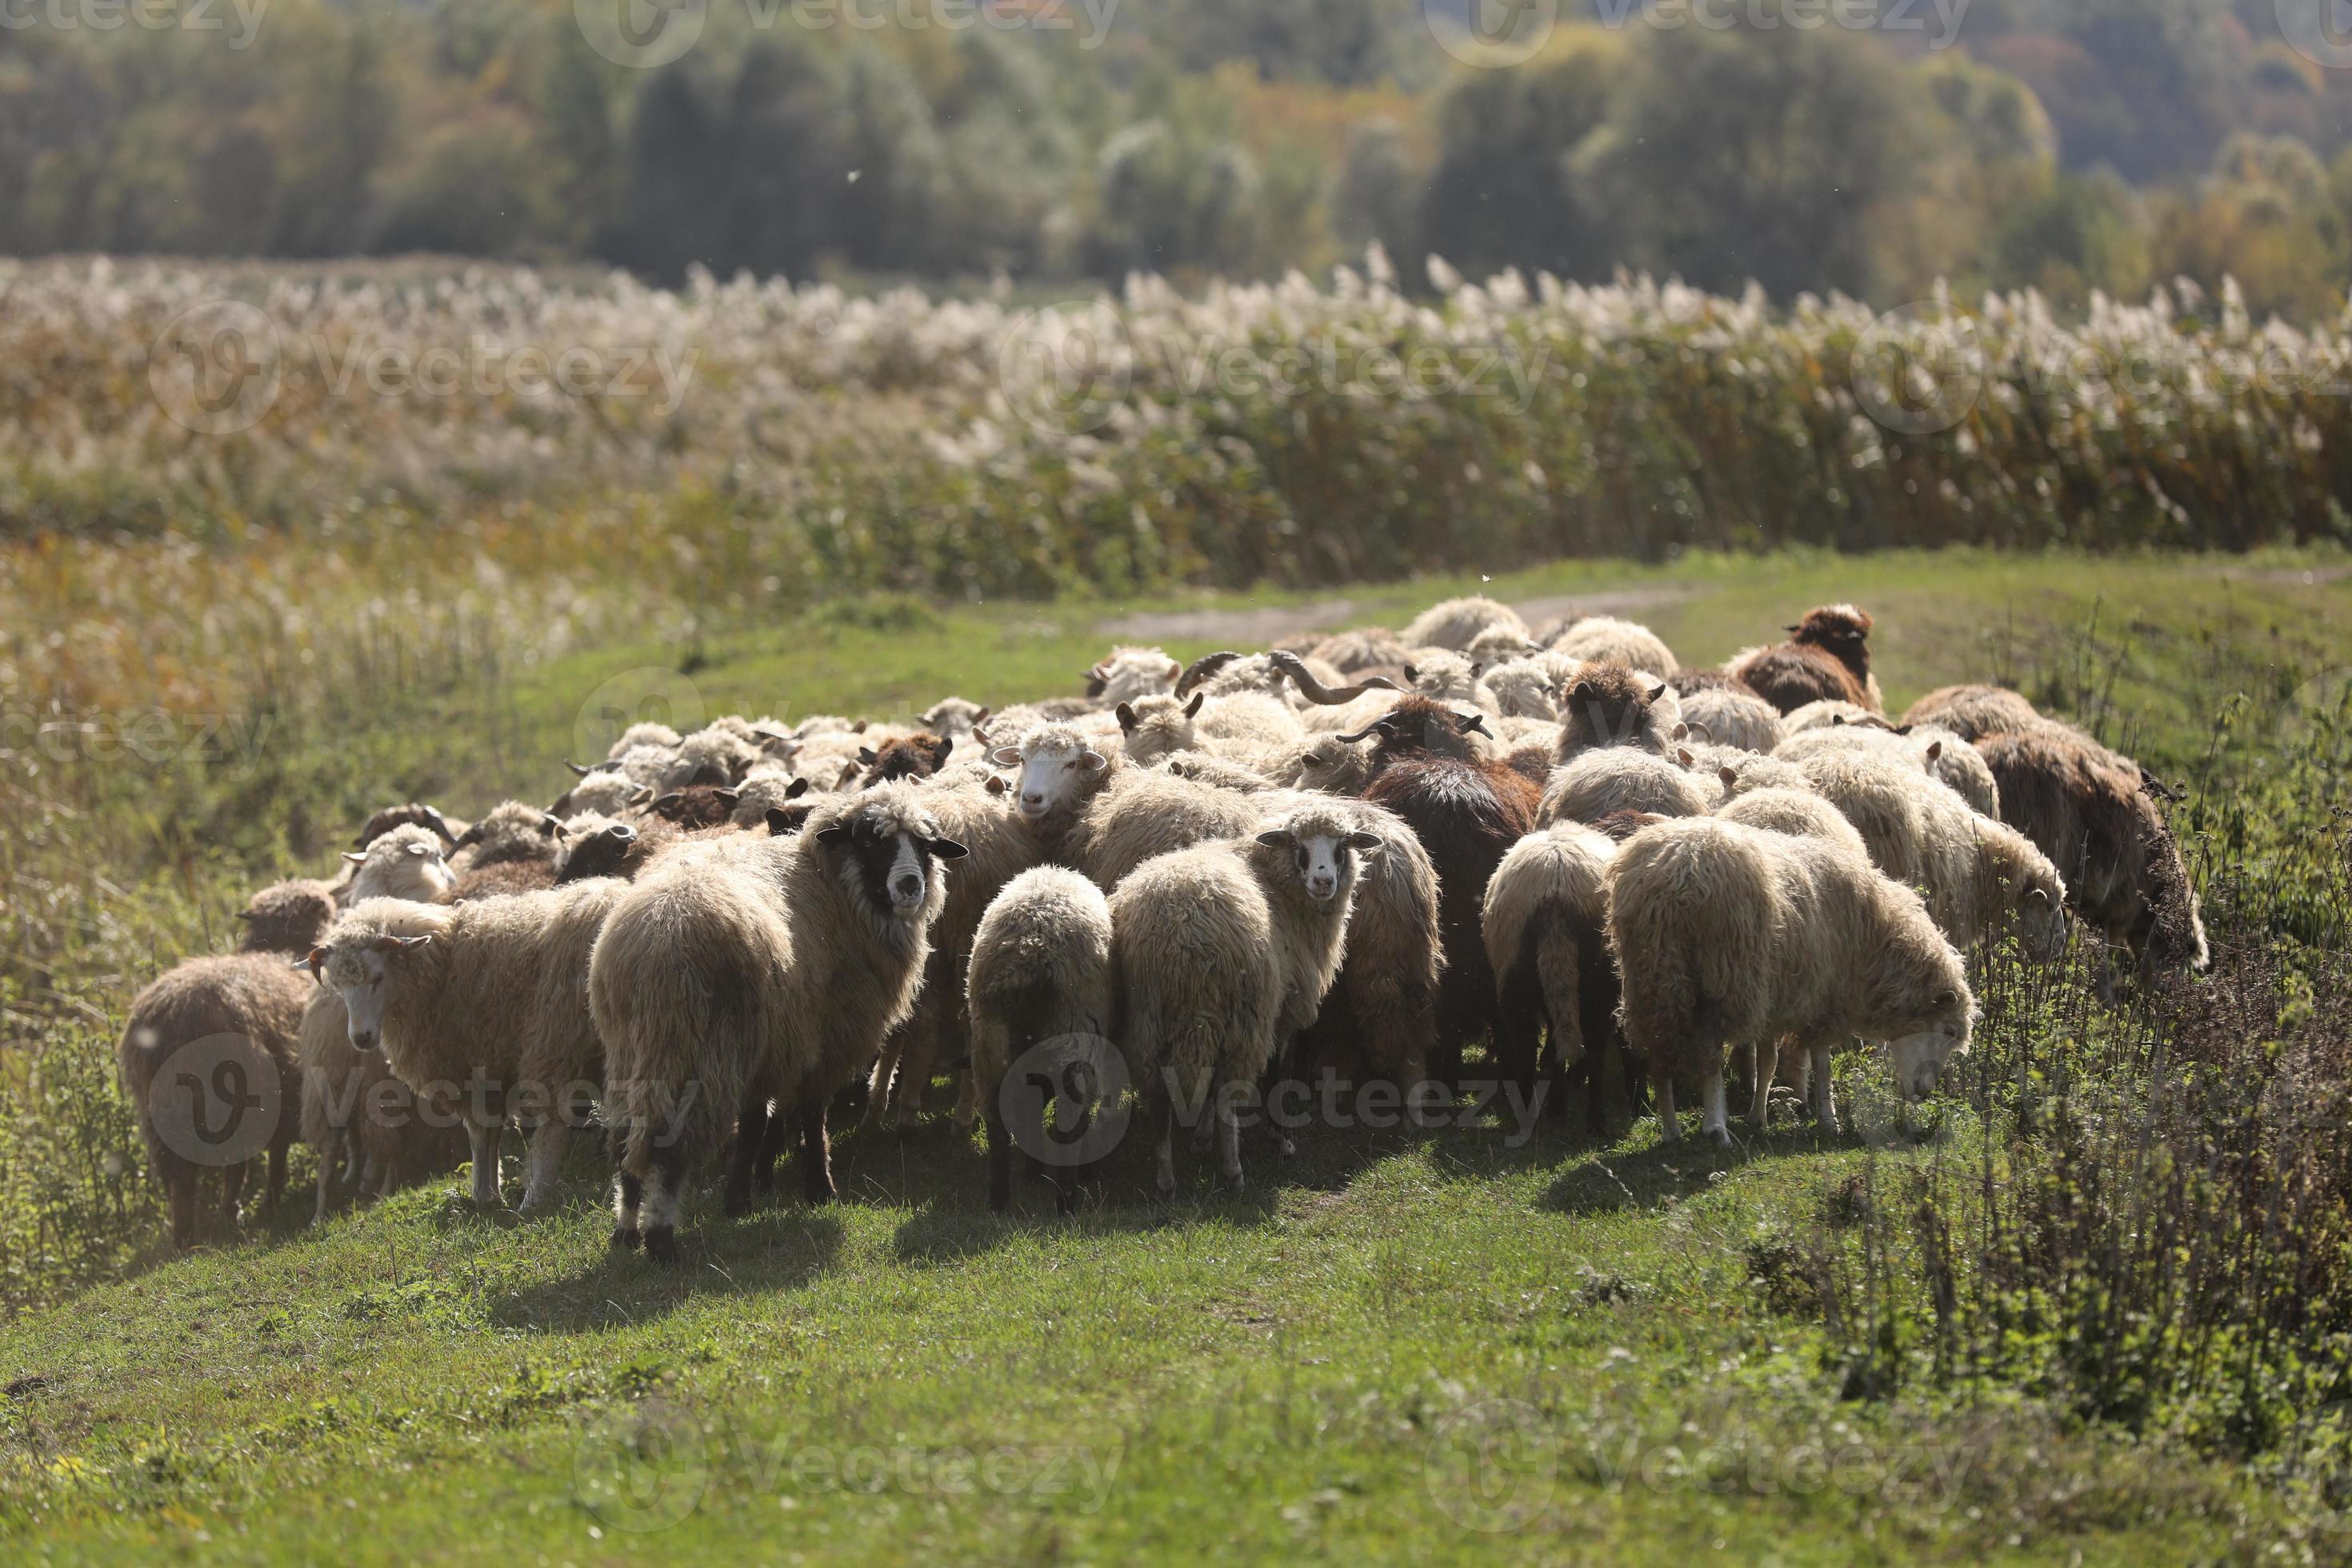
1477,669
1366,842
729,796
1905,729
400,944
1682,732
1309,760
420,849
797,788
355,857
1730,779
1658,691
858,728
834,835
980,718
939,752
780,822
1275,837
670,800
1935,750
472,835
865,756
1095,762
945,848
1472,723
1798,627
996,785
1005,756
1584,692
1193,708
244,914
549,823
1836,718
1413,675
2036,896
641,795
1124,712
1682,755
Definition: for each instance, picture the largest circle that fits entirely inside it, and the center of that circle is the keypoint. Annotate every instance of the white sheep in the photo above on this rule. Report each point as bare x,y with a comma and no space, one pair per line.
1128,673
1603,637
405,863
1727,935
1221,952
1062,769
1611,779
1545,920
749,968
1733,718
482,1008
1040,981
1455,623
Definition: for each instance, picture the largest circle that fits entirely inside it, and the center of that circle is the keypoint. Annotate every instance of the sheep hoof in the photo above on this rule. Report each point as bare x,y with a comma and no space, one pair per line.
624,1237
661,1244
1722,1136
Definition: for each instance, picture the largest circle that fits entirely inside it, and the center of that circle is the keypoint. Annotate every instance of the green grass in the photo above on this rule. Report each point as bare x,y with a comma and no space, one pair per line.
1387,1343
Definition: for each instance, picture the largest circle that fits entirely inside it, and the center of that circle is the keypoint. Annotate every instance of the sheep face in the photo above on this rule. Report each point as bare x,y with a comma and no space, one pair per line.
1050,774
1919,1052
358,974
405,863
1324,858
888,861
2042,925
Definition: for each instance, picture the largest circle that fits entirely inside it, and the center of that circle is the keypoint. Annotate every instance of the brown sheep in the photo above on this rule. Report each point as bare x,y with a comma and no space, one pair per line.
1610,705
2092,813
1972,712
1827,656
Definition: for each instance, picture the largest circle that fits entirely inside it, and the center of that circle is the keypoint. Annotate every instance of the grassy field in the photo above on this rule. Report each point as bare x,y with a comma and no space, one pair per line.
1430,1346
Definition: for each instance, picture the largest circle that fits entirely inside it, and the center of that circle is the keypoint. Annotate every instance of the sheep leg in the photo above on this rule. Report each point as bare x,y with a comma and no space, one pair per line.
816,1152
1824,1095
548,1142
628,1197
1162,1114
1229,1140
967,1109
1764,1063
182,1186
330,1158
664,1186
999,1157
277,1173
751,1142
1670,1127
1715,1119
483,1140
878,1081
345,1144
232,1183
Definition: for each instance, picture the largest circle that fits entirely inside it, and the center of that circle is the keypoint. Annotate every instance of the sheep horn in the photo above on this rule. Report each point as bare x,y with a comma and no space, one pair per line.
438,824
1315,691
1365,733
1201,668
577,768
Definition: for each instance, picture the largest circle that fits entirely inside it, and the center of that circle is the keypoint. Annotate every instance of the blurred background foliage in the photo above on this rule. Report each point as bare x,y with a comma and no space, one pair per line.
2064,146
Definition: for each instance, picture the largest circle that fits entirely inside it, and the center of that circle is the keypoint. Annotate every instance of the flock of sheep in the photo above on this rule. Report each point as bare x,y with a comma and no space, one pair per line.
1349,859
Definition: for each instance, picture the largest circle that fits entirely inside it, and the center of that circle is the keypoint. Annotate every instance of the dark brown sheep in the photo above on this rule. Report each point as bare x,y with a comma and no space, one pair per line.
912,757
287,917
1827,656
1610,705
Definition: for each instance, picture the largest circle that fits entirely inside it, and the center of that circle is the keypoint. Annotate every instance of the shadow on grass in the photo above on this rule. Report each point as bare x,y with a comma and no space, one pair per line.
1609,1180
765,1251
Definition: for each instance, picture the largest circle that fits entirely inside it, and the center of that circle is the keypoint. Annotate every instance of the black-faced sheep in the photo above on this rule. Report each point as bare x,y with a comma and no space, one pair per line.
1972,712
1827,656
1221,952
757,968
1040,977
2092,814
1726,935
1455,623
480,1007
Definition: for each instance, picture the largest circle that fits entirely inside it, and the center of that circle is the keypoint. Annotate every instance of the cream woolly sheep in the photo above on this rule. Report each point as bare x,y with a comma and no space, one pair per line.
954,717
1379,1020
1061,770
716,754
368,1128
1618,778
213,1022
767,789
1148,813
405,863
1291,678
1205,767
482,1006
1040,976
751,968
1628,643
1740,772
644,733
1330,764
1973,713
1499,646
1939,752
1823,713
1225,951
1795,811
1523,690
1546,925
1733,718
600,790
1444,677
1364,648
1726,935
1128,673
1455,623
1877,794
